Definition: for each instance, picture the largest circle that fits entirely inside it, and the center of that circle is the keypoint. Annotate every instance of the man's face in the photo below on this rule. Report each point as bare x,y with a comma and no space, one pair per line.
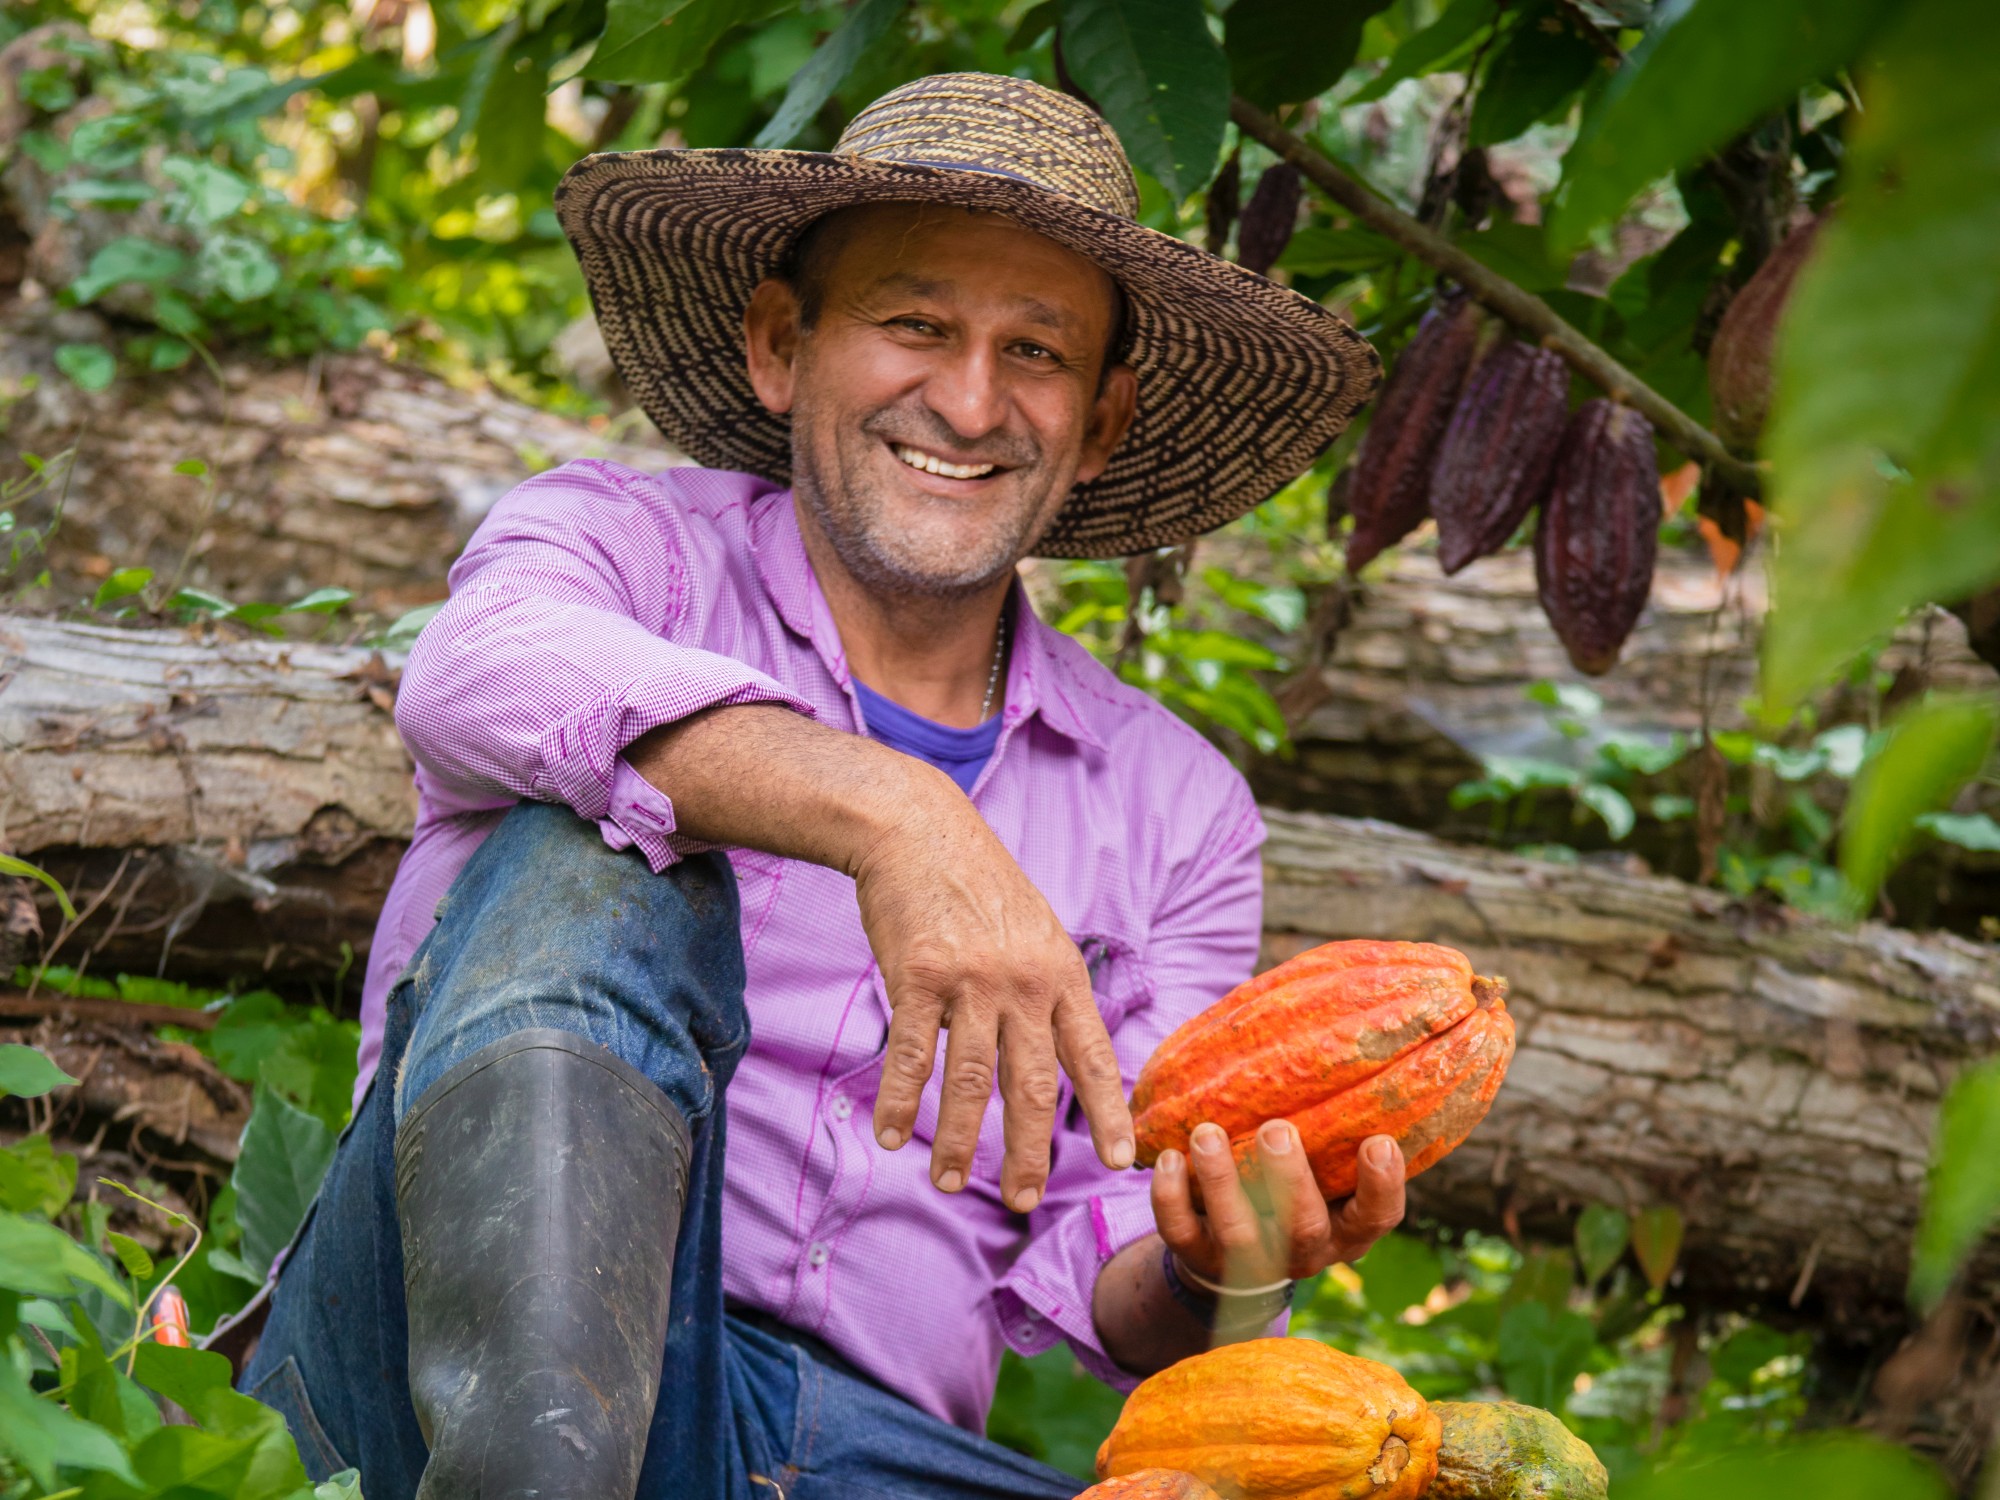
948,396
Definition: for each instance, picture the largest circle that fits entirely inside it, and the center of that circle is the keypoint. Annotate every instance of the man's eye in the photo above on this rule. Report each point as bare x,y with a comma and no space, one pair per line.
915,325
1039,352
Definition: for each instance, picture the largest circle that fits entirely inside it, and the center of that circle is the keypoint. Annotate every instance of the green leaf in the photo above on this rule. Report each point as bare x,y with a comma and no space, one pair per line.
321,602
34,1179
1974,831
1747,1351
1283,51
1161,80
1398,1271
1705,71
24,1072
133,1256
1049,1408
238,267
121,585
1844,1466
127,259
1657,1233
1962,1198
39,1435
346,1485
285,1153
1541,67
1609,804
1319,251
828,68
662,41
91,367
1935,748
1444,41
403,634
207,192
1884,437
1542,1352
42,1261
1602,1233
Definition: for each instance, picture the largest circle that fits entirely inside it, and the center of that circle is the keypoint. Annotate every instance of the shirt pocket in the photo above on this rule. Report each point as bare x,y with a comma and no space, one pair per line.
1118,981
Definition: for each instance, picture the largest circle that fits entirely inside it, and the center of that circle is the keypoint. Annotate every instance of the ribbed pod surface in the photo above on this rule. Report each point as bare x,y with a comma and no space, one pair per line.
1497,452
1280,1419
1599,533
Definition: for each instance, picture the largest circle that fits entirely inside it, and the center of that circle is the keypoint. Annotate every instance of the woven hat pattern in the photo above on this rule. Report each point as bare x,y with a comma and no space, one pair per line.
1242,383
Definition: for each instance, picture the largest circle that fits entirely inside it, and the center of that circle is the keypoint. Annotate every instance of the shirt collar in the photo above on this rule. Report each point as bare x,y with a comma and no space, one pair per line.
1039,678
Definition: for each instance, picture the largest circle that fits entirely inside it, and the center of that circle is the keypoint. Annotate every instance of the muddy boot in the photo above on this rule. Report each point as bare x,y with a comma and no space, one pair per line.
540,1185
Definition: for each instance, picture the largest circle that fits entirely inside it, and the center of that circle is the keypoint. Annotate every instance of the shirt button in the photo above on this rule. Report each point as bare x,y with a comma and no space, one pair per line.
842,1106
817,1254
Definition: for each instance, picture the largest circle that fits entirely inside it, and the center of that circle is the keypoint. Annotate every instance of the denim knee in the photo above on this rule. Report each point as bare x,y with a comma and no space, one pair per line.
546,926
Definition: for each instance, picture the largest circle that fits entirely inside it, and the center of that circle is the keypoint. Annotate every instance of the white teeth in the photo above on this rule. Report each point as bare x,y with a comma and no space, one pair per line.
916,458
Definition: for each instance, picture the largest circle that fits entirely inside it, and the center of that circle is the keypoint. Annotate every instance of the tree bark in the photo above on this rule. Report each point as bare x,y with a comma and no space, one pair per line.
1773,1077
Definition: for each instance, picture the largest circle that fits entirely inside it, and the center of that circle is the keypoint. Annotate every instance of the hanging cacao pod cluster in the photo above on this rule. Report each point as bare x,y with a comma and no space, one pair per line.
1473,430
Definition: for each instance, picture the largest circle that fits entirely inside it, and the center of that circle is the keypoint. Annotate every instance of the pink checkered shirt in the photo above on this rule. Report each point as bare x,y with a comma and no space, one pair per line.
596,603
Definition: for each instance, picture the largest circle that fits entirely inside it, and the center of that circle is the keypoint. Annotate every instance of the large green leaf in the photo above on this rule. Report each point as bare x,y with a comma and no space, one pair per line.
1962,1199
1540,68
38,1435
1050,1408
28,1074
828,68
1884,439
1935,749
1706,69
1161,80
42,1261
1542,1352
662,41
1398,1271
1282,51
1844,1466
284,1155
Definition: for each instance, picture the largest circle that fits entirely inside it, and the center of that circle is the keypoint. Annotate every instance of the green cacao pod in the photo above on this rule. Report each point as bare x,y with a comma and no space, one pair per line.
1739,358
1498,450
1498,1450
1599,533
1389,494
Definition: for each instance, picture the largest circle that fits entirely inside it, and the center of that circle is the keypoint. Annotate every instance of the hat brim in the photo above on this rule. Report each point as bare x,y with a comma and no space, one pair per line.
1242,382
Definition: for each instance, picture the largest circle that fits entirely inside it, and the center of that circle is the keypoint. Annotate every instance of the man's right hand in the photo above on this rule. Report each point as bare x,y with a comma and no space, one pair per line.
964,940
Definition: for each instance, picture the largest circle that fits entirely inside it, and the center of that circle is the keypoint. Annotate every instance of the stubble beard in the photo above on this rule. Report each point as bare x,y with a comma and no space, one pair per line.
853,515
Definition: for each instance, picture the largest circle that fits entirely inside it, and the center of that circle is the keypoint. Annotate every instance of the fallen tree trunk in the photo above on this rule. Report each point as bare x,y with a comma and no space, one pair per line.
233,809
1774,1077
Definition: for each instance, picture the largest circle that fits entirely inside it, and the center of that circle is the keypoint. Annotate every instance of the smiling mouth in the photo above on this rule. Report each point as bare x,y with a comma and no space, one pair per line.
930,463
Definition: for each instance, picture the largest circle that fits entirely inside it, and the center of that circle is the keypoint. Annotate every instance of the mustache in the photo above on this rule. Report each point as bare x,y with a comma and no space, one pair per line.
917,426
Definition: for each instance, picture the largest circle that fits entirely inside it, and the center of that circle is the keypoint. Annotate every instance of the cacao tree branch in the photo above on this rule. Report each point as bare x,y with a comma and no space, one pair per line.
1527,312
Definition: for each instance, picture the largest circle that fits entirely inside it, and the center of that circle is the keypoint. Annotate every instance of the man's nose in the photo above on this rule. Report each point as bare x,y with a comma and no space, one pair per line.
965,391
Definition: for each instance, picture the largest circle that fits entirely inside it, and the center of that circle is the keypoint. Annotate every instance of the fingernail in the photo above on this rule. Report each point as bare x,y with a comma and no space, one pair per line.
1381,1152
889,1137
1121,1154
1209,1139
1170,1162
950,1180
1026,1199
1275,1136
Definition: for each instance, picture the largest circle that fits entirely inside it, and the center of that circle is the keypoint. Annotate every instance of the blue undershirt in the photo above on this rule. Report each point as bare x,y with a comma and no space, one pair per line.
959,753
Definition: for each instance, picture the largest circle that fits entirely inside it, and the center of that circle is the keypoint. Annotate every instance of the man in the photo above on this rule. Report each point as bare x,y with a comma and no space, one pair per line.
536,1268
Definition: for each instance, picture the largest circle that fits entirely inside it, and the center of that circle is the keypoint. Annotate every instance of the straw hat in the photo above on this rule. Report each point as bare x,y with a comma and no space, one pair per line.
1242,383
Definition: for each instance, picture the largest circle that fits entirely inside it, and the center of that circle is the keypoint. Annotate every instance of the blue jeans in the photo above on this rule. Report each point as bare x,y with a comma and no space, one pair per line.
546,927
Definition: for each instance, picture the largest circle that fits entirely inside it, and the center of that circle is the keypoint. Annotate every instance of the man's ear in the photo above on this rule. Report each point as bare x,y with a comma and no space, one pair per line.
771,335
1110,419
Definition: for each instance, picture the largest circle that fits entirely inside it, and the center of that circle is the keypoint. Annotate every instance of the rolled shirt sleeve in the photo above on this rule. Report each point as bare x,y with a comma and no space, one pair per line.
561,644
1203,944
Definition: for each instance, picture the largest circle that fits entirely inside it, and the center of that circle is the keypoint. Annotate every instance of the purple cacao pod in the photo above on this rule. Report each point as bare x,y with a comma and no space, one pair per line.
1389,494
1599,533
1497,453
1269,217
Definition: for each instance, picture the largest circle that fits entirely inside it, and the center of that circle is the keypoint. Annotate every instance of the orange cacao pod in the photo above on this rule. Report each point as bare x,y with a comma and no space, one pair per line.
1150,1484
1497,453
1739,357
1347,1041
1280,1419
1389,494
1599,533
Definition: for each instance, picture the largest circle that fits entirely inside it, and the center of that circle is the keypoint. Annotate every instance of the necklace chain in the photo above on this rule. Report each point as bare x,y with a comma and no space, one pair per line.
993,676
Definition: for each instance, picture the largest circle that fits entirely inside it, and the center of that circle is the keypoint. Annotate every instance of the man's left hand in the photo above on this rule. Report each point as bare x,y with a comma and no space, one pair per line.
1279,1227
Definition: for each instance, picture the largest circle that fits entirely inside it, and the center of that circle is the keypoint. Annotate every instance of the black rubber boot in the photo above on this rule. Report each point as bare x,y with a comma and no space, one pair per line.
540,1184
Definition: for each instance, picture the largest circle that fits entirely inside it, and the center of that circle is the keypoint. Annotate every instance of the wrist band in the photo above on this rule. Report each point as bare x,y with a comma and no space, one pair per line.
1204,1300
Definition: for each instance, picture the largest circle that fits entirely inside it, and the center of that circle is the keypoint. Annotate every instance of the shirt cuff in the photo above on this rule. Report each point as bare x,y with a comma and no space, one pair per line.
641,816
1047,1296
